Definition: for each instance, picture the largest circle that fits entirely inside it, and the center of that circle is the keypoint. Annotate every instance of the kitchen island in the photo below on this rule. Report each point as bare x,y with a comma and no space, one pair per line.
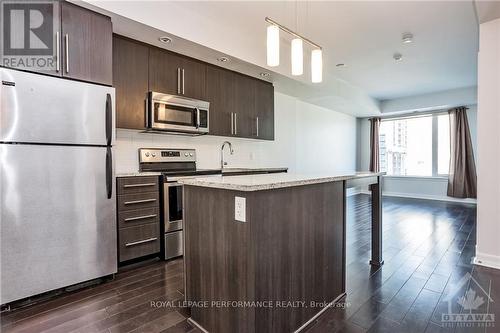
266,253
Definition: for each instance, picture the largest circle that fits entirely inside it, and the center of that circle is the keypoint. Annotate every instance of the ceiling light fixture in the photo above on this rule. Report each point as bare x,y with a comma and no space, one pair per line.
223,59
273,46
297,57
407,38
165,39
398,56
297,51
316,66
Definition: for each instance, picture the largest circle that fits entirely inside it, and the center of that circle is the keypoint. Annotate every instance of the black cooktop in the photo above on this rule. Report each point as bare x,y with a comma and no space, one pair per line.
197,172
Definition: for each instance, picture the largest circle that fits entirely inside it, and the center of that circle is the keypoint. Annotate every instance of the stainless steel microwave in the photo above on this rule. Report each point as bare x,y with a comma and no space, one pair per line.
171,113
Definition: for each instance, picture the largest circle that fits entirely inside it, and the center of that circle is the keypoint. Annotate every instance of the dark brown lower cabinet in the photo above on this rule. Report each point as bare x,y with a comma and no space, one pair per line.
289,250
138,210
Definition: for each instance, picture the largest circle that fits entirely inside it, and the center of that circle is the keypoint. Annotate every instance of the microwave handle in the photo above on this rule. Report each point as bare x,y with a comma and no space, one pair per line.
197,118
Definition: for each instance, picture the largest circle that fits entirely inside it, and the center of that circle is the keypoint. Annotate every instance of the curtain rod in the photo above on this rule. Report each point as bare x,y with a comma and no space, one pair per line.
414,114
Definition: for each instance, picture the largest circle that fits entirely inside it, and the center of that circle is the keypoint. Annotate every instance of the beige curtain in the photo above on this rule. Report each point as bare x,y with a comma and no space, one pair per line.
462,180
374,144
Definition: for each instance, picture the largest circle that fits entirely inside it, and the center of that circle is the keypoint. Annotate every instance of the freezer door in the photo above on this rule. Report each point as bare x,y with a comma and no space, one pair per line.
58,217
41,109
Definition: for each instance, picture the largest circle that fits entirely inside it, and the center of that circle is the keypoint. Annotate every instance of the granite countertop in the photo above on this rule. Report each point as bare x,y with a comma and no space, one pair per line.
271,181
137,174
219,171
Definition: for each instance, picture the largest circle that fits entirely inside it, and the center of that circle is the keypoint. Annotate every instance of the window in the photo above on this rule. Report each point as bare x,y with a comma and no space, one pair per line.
417,146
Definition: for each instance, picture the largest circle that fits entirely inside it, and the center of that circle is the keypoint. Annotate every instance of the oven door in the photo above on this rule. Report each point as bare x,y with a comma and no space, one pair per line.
172,202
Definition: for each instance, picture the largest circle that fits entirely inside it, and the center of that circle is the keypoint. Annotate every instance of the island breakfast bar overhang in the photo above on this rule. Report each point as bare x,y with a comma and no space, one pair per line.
282,266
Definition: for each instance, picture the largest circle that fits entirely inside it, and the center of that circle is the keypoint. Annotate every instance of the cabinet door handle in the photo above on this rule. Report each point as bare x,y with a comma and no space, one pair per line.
141,241
235,123
140,217
139,185
178,81
138,201
58,51
257,123
183,85
232,123
66,42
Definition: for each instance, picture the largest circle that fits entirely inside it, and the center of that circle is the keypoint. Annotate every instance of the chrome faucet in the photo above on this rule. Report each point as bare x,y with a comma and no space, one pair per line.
231,151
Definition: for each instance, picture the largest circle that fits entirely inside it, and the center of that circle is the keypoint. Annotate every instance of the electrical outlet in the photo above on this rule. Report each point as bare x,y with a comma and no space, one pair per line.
240,209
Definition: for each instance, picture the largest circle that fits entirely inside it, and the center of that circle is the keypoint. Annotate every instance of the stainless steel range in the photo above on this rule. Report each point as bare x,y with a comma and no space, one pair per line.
173,164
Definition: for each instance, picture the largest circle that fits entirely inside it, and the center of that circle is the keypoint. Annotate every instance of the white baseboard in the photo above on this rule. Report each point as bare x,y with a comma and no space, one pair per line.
487,260
423,196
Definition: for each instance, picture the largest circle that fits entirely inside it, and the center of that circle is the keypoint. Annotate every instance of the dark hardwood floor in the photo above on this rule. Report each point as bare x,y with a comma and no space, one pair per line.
428,246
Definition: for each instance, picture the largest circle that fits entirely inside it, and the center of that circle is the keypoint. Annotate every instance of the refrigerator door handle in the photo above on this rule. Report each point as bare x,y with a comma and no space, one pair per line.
109,172
109,119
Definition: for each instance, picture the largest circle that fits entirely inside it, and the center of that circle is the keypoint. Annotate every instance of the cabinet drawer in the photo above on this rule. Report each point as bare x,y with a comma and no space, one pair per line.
130,185
135,217
138,201
139,241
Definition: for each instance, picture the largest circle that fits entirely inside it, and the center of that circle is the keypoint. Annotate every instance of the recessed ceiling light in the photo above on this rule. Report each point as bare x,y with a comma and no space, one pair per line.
165,39
340,65
407,38
398,56
265,74
223,59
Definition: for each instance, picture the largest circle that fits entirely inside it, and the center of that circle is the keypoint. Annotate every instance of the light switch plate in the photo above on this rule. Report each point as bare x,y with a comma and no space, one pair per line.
240,209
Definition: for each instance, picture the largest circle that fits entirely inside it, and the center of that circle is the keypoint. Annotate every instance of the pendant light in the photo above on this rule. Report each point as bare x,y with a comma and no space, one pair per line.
316,66
297,57
273,45
297,47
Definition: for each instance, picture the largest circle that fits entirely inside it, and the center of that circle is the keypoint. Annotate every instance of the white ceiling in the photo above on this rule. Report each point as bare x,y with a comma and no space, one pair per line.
362,34
365,34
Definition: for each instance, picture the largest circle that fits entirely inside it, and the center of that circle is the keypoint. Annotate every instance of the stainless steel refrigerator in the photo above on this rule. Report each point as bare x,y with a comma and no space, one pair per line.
58,221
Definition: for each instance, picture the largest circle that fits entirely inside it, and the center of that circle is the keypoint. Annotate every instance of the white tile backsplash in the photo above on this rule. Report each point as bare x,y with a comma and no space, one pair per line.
307,139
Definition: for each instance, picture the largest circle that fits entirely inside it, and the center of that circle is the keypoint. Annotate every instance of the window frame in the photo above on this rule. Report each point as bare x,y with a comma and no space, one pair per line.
435,143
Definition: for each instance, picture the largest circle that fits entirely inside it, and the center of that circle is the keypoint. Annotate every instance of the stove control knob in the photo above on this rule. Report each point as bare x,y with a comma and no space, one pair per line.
147,154
186,154
153,154
191,154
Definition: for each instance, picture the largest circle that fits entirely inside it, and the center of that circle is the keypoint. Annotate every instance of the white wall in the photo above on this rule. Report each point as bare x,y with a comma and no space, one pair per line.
308,139
488,208
414,187
434,101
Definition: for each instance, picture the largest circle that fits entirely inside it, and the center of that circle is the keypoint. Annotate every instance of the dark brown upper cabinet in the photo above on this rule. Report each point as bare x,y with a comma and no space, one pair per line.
240,105
264,111
82,44
245,96
130,79
87,44
170,73
220,94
